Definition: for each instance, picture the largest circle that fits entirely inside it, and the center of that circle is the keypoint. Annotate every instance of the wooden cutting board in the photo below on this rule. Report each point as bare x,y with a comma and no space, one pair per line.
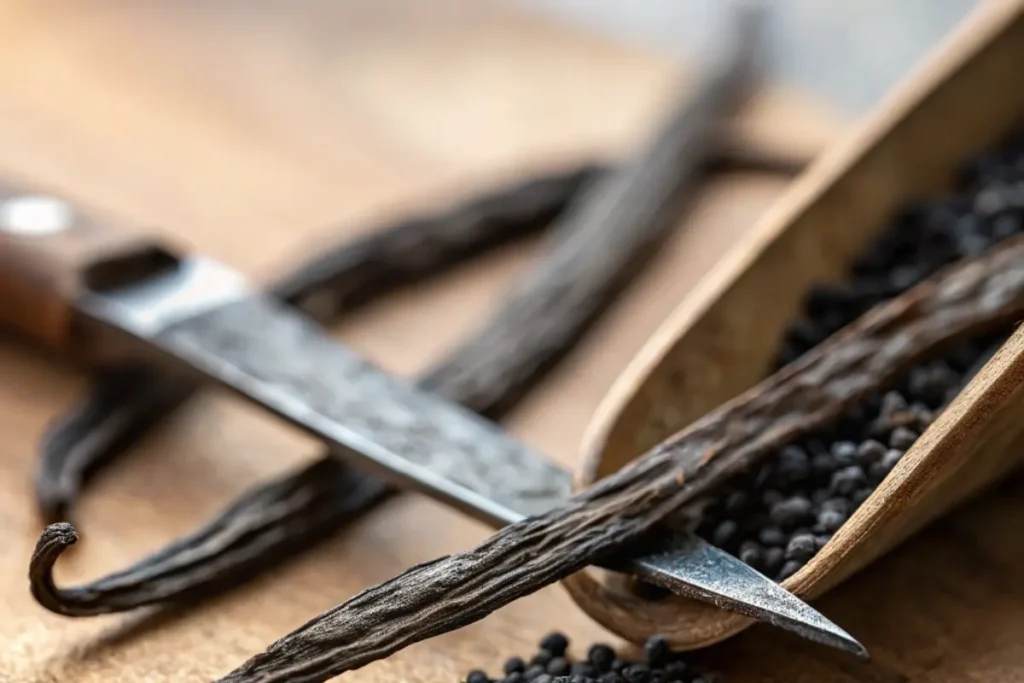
253,131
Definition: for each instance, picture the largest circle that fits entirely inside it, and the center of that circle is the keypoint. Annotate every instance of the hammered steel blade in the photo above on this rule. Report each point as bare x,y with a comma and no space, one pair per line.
204,317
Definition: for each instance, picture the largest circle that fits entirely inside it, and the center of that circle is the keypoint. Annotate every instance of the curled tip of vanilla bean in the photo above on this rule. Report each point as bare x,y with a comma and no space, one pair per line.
265,527
55,539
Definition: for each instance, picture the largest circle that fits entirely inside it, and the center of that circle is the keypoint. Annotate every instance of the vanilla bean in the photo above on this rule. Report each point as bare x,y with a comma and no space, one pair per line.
280,519
122,404
599,244
968,299
417,248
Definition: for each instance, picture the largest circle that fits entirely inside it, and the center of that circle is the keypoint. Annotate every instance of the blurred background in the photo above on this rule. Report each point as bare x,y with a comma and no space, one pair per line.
848,52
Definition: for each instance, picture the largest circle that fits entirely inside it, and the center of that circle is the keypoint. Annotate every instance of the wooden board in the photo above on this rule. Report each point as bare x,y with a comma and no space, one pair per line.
249,130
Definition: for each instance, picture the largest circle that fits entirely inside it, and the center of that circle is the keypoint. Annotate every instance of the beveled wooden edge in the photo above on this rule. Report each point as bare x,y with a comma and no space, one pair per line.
602,596
999,384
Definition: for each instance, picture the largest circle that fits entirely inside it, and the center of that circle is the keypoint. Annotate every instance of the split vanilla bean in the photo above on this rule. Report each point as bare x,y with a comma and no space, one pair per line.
969,299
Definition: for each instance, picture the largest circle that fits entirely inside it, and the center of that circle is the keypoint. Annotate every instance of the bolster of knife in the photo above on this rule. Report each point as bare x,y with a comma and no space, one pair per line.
50,250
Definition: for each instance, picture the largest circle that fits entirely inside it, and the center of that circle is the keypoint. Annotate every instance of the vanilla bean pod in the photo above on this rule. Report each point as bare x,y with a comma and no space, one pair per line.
417,248
124,403
966,300
254,533
121,405
603,240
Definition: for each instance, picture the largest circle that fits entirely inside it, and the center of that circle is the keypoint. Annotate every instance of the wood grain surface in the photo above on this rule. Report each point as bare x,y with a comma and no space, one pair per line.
251,130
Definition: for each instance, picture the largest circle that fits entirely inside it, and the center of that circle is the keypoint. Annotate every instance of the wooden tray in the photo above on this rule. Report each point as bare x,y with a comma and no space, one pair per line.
721,339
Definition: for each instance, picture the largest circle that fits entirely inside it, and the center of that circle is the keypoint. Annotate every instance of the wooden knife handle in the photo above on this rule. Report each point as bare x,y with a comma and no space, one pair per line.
50,248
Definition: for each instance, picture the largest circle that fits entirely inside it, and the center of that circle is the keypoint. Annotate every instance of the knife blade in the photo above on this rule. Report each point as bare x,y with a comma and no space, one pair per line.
70,279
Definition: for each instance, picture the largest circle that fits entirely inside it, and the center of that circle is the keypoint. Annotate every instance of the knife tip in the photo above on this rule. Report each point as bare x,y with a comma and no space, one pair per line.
690,566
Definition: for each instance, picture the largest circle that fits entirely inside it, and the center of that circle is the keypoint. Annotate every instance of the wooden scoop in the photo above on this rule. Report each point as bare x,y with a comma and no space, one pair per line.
721,340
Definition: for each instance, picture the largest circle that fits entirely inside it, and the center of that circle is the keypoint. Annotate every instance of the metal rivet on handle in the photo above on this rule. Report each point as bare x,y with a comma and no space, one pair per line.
35,215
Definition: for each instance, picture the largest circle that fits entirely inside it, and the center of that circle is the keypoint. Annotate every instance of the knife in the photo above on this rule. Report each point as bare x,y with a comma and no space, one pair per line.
83,283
